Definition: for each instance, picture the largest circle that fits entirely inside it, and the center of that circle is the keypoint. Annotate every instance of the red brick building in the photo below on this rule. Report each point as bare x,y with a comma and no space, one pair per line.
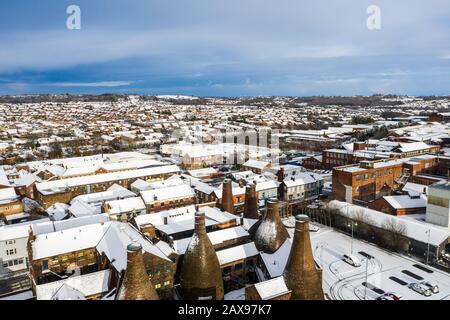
371,180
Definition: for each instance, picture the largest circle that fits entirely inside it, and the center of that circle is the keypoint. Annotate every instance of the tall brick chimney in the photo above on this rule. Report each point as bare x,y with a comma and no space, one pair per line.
200,275
280,175
227,196
136,284
251,202
301,275
271,232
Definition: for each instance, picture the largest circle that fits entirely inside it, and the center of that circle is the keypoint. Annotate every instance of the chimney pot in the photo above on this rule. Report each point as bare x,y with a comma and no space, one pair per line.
301,217
201,275
301,274
227,196
269,243
134,246
136,284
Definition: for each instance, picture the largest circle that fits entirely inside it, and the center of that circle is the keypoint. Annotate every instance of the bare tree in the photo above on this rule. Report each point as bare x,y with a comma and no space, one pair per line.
394,226
365,228
394,235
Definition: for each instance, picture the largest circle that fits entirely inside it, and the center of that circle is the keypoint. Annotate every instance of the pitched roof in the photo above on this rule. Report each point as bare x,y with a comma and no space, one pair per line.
3,178
271,288
256,164
179,191
100,178
86,285
236,253
125,205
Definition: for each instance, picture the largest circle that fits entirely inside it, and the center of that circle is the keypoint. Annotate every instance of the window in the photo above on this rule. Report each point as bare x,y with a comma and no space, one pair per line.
44,265
158,286
358,177
166,283
238,266
226,270
162,204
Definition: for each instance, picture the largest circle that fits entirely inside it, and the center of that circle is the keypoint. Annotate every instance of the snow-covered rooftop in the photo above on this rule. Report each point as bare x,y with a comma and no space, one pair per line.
88,285
173,192
237,253
271,288
414,229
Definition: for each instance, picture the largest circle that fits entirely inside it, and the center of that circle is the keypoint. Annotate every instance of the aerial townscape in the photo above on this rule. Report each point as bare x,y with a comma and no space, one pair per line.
176,197
224,159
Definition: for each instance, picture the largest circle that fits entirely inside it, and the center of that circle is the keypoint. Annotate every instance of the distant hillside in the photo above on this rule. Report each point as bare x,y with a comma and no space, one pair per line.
353,101
62,98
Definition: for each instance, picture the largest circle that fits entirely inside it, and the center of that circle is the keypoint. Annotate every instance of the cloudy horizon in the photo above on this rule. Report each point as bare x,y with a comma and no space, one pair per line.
226,48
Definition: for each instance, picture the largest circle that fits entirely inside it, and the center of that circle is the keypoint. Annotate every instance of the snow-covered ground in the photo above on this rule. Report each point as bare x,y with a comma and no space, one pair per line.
342,281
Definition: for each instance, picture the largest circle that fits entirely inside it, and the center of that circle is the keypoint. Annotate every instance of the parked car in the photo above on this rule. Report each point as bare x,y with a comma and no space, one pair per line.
420,288
446,258
352,260
432,286
390,296
313,228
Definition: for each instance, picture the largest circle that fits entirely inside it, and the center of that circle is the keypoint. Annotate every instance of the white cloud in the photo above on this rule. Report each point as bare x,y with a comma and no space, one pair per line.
92,84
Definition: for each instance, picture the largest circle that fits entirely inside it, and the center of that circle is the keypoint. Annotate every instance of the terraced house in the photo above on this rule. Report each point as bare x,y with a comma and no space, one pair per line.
50,192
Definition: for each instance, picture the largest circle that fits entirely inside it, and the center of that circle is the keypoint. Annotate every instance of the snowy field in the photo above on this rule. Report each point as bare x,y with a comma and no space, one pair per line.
386,272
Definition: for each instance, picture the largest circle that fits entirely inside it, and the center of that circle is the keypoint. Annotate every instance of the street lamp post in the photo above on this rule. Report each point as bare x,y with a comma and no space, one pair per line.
367,269
368,258
352,224
428,245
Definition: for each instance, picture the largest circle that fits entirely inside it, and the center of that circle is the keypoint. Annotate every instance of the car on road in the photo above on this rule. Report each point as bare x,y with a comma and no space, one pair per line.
420,288
432,286
313,228
390,296
352,260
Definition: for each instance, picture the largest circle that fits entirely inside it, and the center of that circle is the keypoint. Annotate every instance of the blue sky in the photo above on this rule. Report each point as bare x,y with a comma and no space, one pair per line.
225,47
